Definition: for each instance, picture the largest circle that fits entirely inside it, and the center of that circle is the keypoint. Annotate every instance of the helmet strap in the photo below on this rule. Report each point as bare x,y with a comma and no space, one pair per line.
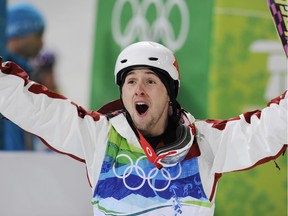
175,111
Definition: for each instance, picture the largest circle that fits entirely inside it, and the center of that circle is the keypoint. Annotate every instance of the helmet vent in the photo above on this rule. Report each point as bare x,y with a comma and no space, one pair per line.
153,59
123,61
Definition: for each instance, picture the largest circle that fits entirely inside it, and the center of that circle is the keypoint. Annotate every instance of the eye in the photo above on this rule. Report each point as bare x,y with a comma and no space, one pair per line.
150,81
130,81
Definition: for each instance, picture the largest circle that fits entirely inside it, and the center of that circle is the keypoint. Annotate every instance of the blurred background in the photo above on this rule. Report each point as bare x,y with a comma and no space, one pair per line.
231,60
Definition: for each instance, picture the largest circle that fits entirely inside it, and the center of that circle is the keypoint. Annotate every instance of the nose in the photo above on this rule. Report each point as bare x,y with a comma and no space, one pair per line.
140,90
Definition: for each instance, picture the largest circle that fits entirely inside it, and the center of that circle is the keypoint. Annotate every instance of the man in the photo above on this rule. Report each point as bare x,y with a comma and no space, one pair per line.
145,155
25,27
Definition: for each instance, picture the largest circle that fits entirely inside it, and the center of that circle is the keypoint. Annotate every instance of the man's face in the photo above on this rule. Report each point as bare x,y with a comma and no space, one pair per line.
146,99
31,44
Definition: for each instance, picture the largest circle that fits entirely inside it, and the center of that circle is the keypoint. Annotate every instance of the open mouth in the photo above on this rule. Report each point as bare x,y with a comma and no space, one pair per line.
141,108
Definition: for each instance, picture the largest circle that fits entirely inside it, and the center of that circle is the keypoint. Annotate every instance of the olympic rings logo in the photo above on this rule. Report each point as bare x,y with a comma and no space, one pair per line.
139,28
141,173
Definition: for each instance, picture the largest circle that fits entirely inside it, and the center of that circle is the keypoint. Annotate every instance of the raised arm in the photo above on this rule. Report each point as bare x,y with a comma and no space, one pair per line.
247,140
60,123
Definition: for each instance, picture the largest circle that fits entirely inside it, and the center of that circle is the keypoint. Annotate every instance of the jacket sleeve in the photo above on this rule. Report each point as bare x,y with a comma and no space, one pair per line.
58,122
247,140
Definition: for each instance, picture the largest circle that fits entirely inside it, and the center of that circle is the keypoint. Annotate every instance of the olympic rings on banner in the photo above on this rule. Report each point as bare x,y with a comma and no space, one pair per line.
139,28
141,174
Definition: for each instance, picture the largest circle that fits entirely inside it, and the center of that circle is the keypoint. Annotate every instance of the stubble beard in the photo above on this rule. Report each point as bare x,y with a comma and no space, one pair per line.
147,126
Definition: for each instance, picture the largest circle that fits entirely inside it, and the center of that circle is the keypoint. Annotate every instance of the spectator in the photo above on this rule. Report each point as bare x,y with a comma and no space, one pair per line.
25,28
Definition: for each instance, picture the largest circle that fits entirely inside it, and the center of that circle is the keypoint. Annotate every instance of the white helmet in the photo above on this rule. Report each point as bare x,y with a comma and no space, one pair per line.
147,53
